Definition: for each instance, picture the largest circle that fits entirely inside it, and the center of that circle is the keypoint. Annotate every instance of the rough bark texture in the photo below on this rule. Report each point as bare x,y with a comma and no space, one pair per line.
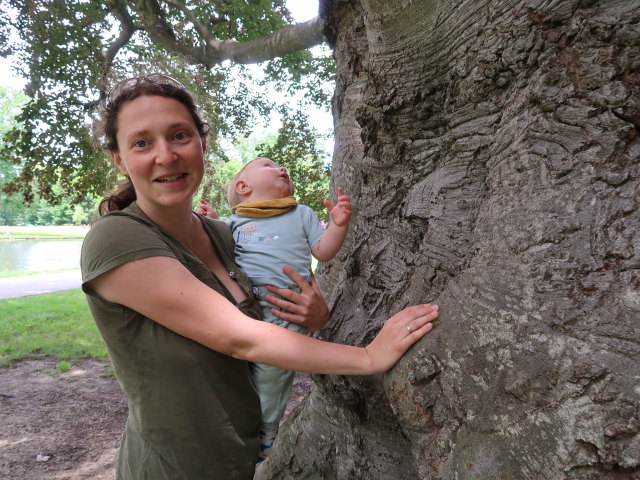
491,150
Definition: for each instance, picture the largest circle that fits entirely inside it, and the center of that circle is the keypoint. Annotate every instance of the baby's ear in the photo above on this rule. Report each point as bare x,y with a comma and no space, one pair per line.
242,188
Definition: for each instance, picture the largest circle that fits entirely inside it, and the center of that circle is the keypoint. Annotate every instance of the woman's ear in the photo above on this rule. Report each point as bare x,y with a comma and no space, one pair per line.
117,159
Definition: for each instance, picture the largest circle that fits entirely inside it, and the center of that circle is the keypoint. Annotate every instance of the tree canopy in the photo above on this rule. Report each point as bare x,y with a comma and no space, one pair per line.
72,51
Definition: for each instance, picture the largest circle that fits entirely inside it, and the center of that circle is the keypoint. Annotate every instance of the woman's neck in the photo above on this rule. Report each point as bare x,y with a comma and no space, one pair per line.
179,222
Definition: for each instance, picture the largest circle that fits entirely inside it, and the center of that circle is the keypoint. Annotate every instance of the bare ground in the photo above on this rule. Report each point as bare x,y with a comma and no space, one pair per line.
67,426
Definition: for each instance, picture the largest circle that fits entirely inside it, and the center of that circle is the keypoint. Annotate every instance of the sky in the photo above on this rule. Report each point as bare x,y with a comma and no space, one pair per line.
7,78
303,10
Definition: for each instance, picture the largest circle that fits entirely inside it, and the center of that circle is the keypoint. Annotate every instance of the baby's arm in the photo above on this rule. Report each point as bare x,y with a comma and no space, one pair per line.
333,238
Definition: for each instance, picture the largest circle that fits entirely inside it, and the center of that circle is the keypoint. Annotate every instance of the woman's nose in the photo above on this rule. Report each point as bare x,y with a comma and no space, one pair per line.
165,152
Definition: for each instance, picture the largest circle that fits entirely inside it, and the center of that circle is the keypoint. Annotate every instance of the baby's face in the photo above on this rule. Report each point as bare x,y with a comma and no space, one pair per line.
267,179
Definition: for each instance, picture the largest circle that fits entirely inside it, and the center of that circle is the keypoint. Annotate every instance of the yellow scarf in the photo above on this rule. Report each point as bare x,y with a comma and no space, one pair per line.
265,208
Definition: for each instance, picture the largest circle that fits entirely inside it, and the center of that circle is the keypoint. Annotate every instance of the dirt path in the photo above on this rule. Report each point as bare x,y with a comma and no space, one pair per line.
67,426
75,419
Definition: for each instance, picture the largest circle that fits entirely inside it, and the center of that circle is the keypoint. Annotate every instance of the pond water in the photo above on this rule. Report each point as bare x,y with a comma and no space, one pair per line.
39,255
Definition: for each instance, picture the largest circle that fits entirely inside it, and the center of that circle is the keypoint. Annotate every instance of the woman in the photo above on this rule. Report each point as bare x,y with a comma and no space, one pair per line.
177,315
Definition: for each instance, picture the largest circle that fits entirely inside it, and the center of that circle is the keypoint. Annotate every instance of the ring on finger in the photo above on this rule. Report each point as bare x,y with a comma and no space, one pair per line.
410,330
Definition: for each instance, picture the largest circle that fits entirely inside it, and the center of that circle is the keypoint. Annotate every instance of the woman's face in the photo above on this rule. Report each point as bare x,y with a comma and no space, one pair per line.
161,151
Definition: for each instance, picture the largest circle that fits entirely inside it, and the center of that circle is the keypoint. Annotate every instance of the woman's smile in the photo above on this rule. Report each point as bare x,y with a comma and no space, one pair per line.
171,178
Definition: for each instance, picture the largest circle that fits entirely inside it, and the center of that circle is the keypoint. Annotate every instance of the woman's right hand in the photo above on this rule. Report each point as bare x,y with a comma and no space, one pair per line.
398,334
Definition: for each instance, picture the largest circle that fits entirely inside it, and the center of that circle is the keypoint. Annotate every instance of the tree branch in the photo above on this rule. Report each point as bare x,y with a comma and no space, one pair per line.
290,39
200,28
119,9
162,33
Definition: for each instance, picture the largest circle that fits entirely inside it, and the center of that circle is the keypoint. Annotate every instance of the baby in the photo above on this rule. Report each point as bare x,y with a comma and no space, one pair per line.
270,230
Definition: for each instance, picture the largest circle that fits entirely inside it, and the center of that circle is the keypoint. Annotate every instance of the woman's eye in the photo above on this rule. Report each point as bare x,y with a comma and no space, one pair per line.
140,144
181,136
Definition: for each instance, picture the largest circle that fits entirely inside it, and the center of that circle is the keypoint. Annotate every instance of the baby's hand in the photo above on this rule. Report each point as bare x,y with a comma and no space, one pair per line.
340,213
205,209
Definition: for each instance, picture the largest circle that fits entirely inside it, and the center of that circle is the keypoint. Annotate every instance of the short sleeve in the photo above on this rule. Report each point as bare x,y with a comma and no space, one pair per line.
312,226
115,240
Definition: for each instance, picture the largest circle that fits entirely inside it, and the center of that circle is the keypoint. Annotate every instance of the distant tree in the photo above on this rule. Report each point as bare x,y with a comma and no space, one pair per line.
13,209
80,216
11,101
214,184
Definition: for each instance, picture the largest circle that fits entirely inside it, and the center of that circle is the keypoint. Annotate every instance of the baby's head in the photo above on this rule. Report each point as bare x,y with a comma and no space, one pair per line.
260,179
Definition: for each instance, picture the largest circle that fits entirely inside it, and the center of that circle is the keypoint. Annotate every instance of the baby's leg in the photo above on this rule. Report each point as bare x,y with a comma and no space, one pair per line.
274,388
273,384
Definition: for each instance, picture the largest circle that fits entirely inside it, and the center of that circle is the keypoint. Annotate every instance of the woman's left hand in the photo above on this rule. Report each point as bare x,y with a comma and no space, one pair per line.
306,308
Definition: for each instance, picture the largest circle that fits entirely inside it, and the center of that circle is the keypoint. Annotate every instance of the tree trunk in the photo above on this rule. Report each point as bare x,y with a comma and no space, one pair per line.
491,151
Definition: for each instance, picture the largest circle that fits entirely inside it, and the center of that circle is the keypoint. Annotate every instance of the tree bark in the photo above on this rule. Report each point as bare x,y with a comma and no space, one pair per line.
491,151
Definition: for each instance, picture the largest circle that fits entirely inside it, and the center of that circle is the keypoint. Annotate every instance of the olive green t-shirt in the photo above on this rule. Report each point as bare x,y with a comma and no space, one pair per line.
193,412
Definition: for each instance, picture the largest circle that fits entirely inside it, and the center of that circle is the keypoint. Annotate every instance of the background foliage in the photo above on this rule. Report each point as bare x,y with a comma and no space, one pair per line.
295,146
13,208
62,47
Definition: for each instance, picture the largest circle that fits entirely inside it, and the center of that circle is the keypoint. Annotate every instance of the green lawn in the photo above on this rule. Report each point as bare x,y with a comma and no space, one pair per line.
56,324
22,274
56,232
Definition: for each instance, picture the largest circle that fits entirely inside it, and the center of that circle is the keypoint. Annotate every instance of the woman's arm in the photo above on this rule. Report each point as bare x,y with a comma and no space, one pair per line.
162,289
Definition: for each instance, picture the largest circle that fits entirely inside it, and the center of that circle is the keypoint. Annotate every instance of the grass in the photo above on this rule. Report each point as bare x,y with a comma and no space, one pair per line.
5,274
56,324
63,366
38,232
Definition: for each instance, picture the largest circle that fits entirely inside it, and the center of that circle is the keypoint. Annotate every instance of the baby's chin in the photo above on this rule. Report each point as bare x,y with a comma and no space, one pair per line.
287,192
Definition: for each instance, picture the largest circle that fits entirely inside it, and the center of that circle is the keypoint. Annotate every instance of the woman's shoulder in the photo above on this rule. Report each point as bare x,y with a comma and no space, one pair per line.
214,223
118,224
219,230
125,232
120,237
